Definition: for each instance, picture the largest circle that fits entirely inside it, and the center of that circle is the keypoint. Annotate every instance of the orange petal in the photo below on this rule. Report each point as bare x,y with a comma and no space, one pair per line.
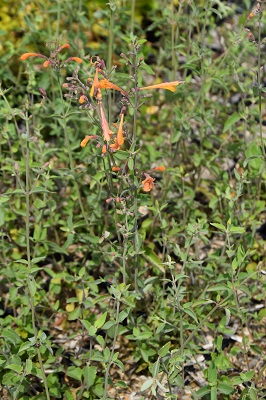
85,141
95,83
26,55
64,46
115,146
46,63
148,183
165,85
82,99
105,84
77,59
120,133
105,127
161,168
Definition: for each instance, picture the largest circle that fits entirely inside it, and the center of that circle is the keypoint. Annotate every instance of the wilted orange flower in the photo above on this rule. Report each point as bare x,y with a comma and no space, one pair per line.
105,84
85,141
107,133
46,63
148,183
82,99
165,85
160,168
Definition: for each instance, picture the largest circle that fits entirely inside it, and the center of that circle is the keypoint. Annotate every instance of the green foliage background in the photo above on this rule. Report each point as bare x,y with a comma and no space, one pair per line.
94,294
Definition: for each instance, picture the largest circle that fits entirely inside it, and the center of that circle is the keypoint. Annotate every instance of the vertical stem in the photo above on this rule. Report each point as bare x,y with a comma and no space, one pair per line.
71,161
110,57
173,26
27,229
260,80
58,18
133,147
132,19
105,394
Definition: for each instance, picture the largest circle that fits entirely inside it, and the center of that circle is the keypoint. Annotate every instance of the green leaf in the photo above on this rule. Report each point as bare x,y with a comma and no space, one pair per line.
89,375
73,315
100,321
252,393
203,392
220,83
153,258
217,288
147,68
32,286
92,239
191,313
237,229
15,367
28,366
231,121
247,376
147,384
212,373
121,155
86,324
164,350
75,373
39,189
38,203
11,336
225,389
219,226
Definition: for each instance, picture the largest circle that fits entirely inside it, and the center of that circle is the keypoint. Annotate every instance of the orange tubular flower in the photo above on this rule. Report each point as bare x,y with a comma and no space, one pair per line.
107,133
77,59
104,149
64,46
95,83
116,169
161,168
85,141
166,85
27,55
105,84
120,133
46,63
148,183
